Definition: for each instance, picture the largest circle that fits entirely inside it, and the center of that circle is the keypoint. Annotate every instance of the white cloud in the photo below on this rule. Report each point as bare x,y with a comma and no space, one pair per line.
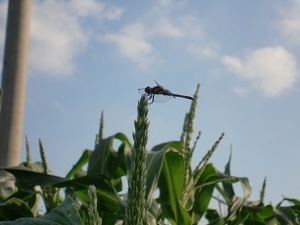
233,64
59,32
271,70
134,41
210,51
132,44
165,2
114,13
164,27
58,35
191,27
241,90
289,23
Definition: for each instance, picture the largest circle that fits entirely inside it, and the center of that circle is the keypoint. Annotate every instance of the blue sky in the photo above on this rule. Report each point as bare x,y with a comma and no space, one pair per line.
88,56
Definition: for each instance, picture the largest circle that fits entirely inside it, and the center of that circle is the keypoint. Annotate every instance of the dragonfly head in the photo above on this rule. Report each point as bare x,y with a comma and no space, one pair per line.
148,90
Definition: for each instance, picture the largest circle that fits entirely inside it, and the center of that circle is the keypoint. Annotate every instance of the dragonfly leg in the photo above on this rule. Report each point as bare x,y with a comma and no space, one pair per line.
151,97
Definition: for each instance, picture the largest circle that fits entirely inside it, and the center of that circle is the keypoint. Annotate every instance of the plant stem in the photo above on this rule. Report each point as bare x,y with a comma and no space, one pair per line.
135,211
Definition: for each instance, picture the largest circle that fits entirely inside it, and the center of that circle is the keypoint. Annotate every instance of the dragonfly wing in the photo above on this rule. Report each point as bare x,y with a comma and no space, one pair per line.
161,98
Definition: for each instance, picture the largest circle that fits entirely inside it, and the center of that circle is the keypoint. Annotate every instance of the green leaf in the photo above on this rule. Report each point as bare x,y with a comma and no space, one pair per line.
107,198
5,192
252,215
247,190
294,201
65,214
285,215
234,209
154,166
203,195
37,166
80,163
213,217
170,144
13,209
267,212
227,182
105,160
30,198
228,188
170,186
31,177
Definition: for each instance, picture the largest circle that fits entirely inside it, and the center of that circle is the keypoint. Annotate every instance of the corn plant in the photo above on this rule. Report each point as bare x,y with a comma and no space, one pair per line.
96,195
239,210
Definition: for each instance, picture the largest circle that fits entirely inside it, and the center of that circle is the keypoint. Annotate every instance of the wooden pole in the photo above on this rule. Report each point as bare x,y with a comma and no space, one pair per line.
14,81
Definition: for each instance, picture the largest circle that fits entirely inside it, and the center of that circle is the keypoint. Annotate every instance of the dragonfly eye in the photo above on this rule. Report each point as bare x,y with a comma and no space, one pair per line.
148,90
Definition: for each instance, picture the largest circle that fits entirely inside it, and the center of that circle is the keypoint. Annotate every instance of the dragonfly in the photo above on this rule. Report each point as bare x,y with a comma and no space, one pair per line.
159,94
